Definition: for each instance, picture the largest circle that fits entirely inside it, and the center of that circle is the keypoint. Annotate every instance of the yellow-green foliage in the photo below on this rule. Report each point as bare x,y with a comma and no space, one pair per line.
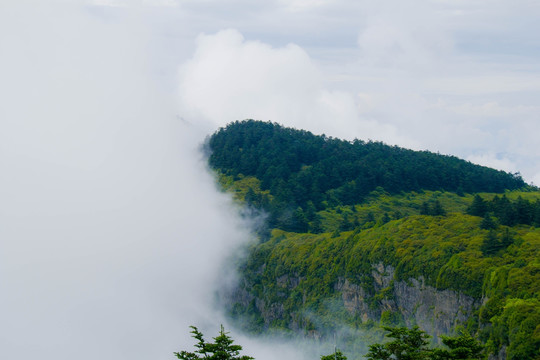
380,203
301,270
240,185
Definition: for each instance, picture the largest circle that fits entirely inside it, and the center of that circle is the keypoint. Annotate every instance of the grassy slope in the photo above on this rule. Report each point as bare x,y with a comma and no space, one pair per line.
445,250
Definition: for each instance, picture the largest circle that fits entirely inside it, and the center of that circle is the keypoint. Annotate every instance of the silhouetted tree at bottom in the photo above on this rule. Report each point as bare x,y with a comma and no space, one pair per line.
412,344
337,355
221,349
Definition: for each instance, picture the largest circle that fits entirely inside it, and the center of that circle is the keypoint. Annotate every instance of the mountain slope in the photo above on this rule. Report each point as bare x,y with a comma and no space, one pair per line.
303,172
406,247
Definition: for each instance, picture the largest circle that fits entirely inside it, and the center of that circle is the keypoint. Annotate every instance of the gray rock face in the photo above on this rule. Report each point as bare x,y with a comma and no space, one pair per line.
435,311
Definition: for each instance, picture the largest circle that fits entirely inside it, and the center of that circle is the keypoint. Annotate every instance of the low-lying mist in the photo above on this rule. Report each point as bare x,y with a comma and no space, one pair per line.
113,234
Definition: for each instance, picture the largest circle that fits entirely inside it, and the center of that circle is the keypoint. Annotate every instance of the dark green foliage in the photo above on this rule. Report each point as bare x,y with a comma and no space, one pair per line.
407,344
298,167
493,243
536,213
337,355
488,223
425,210
437,209
478,206
412,344
433,208
509,213
460,347
316,226
221,349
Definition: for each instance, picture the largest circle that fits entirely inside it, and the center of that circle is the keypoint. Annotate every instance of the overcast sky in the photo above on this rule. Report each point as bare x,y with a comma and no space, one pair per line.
458,77
113,235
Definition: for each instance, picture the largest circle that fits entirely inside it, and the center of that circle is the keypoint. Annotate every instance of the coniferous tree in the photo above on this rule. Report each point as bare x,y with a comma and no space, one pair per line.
223,348
488,223
478,206
524,211
336,355
491,244
437,209
311,211
316,225
369,217
412,344
424,209
407,344
460,347
506,239
536,216
345,225
299,221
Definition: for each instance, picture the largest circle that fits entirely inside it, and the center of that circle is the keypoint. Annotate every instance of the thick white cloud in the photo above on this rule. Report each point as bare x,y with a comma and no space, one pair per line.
113,236
229,78
454,77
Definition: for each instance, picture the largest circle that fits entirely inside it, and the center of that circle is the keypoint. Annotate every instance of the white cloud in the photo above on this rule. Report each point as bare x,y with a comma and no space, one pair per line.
113,234
229,78
493,161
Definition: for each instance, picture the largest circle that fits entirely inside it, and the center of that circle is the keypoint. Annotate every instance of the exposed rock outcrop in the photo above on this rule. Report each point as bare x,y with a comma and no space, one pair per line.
435,311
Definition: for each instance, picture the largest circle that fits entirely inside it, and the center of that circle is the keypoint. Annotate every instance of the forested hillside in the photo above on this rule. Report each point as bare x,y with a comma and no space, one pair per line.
304,173
361,235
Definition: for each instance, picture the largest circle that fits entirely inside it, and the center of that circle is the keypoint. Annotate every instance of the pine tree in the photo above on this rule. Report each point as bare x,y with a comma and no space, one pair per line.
437,209
316,225
223,348
408,344
424,209
336,355
491,244
412,344
478,206
488,223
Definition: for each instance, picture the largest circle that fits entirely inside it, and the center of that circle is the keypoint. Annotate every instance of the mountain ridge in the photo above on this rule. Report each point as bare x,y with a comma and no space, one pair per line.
386,257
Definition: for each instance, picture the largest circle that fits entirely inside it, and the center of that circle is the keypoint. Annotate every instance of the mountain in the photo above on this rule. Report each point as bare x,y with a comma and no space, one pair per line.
360,235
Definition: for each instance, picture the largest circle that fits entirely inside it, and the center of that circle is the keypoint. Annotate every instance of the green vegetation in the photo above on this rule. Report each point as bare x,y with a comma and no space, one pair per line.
338,210
221,349
407,344
300,172
413,344
337,355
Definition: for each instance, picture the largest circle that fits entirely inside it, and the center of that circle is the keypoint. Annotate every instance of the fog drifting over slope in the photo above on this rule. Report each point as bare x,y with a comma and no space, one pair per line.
112,232
113,235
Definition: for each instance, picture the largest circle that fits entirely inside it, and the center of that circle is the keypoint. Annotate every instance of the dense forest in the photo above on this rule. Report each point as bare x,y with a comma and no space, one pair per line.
301,173
361,235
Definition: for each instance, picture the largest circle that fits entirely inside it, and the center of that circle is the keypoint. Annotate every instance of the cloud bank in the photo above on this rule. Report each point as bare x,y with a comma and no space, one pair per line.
459,78
229,78
113,235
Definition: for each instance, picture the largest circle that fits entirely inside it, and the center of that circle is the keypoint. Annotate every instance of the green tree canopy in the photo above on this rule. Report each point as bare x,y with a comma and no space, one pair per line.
221,349
412,344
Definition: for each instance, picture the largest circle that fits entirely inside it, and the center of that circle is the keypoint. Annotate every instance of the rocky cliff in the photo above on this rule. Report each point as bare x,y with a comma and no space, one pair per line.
435,311
387,301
